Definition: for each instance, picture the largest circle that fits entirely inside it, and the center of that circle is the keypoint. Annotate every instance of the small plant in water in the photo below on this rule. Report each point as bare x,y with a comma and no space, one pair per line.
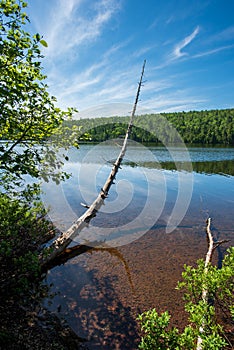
202,315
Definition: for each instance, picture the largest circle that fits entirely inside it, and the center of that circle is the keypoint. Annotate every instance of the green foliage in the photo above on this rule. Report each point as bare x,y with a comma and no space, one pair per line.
204,127
22,230
29,116
220,283
157,336
32,134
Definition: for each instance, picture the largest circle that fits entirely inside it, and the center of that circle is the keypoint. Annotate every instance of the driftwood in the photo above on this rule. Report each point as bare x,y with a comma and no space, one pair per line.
62,242
212,245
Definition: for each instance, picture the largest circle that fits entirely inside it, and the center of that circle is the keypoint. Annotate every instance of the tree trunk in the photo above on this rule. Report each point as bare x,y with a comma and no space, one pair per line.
205,292
66,238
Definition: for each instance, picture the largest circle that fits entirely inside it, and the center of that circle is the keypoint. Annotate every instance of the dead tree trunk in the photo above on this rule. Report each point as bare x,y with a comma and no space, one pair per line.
205,290
66,238
212,245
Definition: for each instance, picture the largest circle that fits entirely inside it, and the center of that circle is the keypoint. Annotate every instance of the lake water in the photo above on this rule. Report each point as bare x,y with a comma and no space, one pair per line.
153,222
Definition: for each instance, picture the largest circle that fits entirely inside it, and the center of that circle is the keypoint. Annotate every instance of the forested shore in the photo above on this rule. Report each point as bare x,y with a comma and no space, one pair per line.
203,127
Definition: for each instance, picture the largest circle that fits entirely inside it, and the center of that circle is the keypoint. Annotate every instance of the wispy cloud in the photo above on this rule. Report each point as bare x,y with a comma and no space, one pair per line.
154,24
176,101
88,66
106,110
107,85
143,51
213,51
170,19
102,80
224,35
71,26
177,52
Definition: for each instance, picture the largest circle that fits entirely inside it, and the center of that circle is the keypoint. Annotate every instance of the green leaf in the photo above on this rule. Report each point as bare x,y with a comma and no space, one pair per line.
44,43
28,112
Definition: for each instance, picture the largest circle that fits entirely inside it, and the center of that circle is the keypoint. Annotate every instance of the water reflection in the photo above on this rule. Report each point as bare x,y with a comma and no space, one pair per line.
221,167
91,304
207,160
100,291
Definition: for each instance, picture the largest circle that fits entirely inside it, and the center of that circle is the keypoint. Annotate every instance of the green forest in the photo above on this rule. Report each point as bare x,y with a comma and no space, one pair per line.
203,127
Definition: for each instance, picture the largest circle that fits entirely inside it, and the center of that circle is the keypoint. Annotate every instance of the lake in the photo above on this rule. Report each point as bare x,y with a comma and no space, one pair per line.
152,223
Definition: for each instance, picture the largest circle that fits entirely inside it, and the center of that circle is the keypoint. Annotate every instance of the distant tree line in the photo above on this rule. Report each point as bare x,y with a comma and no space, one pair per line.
203,127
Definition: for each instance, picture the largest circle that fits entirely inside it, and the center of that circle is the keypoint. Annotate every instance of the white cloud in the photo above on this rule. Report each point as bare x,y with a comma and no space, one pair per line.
180,100
70,25
143,51
213,51
106,110
107,85
154,24
104,80
177,52
170,19
224,35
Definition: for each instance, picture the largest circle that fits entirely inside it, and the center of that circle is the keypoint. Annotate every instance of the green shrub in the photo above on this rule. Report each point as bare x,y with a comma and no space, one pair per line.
220,285
22,230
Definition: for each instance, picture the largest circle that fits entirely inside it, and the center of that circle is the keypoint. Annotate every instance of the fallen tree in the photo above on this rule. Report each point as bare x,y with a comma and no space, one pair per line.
58,246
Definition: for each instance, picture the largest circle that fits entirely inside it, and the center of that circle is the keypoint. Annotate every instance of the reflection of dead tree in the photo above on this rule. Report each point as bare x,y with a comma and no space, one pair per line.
66,238
205,291
77,250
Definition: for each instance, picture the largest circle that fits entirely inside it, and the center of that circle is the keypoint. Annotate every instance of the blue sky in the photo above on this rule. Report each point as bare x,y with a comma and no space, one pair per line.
96,49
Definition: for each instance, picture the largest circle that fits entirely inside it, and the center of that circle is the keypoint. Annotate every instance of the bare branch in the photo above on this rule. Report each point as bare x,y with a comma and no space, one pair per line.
205,292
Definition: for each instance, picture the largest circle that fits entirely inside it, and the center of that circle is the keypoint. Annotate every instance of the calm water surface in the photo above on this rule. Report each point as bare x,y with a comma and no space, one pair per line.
152,223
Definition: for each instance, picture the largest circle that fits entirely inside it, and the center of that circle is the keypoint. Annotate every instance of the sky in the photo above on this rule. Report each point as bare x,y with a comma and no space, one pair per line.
96,50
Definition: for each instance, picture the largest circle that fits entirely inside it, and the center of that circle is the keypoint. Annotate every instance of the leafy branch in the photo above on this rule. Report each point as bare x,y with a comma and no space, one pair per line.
205,287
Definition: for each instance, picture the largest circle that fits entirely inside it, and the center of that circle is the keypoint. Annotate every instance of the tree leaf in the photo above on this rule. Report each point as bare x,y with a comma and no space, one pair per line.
44,43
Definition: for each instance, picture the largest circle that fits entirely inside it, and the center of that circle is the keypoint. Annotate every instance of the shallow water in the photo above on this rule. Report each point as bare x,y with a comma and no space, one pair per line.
152,223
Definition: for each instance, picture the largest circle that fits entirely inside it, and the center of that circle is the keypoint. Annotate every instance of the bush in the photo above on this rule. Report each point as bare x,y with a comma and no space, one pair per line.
220,285
22,230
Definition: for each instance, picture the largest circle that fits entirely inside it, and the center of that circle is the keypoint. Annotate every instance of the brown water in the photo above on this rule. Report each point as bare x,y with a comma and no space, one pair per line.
101,291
